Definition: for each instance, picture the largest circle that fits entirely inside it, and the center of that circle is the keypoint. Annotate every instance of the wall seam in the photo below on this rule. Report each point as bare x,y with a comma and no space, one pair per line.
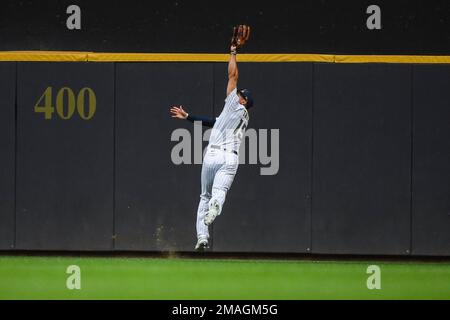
114,160
14,244
412,161
312,163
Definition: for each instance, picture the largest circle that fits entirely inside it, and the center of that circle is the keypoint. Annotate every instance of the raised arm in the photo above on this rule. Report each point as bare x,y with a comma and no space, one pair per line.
233,73
240,36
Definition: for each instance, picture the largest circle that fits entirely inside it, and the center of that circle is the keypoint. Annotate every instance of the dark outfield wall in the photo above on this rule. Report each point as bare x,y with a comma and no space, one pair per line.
64,166
363,158
7,152
431,175
300,26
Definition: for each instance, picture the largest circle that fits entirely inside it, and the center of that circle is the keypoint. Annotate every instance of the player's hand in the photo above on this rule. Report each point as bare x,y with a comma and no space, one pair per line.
178,112
241,34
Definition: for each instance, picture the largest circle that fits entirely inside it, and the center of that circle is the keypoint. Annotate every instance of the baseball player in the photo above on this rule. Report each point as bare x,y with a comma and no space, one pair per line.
221,158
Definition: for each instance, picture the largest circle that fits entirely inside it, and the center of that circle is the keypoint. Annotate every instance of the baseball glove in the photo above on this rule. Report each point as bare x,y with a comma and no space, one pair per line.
241,34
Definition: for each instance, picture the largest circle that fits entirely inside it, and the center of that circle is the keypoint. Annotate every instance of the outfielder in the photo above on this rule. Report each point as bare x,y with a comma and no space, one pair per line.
221,158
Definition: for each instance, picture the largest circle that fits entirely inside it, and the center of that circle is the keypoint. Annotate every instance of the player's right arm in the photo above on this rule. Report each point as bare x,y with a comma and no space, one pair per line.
179,113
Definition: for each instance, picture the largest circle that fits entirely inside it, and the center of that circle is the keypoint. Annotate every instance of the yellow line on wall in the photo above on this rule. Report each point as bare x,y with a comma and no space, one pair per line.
69,56
206,57
53,56
390,59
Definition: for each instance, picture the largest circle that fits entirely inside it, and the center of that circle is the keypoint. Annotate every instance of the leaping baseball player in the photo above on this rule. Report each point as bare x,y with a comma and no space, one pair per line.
221,159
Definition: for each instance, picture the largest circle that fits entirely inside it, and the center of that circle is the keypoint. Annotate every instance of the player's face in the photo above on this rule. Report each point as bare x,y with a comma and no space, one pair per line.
242,100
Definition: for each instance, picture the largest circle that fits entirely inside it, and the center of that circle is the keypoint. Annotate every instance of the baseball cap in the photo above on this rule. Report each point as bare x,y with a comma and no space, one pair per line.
247,96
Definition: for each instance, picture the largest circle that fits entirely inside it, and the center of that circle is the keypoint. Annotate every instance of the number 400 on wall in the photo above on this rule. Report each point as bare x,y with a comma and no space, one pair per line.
86,109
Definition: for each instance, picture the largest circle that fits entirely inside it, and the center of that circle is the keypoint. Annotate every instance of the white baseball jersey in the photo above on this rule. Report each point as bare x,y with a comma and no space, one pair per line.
230,126
220,164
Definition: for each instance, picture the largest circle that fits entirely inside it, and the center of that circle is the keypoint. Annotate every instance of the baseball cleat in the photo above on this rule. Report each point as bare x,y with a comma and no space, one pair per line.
202,245
212,213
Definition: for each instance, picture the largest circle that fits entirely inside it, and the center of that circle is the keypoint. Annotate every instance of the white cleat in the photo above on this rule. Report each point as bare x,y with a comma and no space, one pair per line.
202,244
212,214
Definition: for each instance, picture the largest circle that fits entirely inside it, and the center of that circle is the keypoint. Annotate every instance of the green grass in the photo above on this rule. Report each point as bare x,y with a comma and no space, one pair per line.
173,278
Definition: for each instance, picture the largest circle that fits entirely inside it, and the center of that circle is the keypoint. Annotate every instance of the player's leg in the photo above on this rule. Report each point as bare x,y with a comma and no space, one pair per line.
222,183
205,196
207,178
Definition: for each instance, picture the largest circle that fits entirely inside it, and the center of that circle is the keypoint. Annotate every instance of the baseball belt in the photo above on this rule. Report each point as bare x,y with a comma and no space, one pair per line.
223,149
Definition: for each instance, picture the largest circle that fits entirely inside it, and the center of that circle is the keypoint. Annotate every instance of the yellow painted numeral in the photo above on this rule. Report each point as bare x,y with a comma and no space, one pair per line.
66,111
70,103
47,108
92,103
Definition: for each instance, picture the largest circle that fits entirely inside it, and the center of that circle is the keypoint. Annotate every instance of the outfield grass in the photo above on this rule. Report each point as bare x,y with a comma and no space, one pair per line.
174,278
